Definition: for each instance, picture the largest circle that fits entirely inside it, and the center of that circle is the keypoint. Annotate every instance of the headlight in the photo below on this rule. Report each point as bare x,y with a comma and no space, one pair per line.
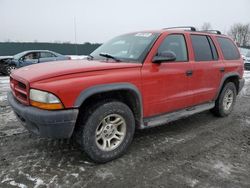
44,100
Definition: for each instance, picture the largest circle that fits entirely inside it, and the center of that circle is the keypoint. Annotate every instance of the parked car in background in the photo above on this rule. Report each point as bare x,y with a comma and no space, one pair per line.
247,61
7,64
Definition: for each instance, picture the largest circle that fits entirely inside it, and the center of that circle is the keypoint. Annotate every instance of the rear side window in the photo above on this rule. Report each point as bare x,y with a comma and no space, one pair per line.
228,48
46,55
177,44
202,49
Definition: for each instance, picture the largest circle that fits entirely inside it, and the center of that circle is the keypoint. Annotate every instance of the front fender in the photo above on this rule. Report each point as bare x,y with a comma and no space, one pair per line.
98,89
105,88
15,63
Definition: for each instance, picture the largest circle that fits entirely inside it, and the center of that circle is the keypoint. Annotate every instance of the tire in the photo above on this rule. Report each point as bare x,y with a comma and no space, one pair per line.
113,121
226,100
8,69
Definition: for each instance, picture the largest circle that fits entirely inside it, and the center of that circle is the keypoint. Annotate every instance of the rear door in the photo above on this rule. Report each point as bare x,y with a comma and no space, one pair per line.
208,69
46,56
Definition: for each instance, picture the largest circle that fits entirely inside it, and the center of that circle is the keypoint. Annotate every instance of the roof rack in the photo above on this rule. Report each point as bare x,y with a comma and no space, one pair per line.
182,27
212,31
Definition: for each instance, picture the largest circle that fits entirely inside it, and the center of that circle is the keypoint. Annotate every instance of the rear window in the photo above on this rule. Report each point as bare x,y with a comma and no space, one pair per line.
229,50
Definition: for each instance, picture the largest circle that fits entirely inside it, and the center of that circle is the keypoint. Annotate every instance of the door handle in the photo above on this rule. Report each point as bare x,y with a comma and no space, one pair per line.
222,69
189,72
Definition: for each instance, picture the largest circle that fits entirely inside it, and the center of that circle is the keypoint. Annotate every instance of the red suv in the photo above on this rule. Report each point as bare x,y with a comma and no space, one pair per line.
137,80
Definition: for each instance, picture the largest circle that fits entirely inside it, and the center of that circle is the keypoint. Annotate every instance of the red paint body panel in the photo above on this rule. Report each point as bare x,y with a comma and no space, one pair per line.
206,77
69,87
165,86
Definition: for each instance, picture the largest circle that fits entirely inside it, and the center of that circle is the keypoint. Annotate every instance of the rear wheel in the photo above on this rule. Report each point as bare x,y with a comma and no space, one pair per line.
107,131
226,100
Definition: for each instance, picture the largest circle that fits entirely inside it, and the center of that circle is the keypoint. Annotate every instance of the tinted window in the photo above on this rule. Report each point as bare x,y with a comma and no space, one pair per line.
176,44
214,51
201,46
46,55
228,48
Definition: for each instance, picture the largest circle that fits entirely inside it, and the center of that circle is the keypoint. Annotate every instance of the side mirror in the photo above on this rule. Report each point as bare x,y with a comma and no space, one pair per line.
164,56
21,59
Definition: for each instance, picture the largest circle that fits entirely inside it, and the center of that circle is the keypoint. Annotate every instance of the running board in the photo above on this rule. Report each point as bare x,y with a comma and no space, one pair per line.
166,118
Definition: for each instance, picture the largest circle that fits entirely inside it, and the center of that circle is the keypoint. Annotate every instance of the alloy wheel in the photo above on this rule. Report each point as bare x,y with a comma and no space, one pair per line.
111,132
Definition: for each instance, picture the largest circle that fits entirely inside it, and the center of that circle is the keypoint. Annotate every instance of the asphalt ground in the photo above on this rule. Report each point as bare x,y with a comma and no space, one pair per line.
198,151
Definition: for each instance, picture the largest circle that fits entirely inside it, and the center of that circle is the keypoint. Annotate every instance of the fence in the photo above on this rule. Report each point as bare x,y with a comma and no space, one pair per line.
11,48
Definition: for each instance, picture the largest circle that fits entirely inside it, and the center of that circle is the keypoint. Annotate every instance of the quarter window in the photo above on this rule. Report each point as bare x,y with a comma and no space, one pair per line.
228,48
175,43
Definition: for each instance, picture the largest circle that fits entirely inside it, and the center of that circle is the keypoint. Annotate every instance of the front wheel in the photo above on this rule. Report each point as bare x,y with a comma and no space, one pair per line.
226,100
107,131
9,68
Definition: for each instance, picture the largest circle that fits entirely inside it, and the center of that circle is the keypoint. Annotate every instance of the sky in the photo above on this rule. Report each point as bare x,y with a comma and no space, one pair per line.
97,21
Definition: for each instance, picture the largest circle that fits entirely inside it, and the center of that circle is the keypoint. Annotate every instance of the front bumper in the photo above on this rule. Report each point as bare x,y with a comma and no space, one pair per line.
2,67
48,124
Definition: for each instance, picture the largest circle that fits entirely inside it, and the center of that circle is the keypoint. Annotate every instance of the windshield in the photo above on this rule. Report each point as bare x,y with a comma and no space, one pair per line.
19,55
129,47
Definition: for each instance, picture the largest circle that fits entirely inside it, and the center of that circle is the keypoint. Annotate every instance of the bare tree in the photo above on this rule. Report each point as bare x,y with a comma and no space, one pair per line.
206,26
240,33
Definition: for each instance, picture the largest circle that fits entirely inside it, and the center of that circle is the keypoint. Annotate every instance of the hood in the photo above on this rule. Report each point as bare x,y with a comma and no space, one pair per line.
59,68
5,57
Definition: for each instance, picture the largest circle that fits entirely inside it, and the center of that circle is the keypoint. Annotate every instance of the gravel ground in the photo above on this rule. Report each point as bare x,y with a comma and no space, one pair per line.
198,151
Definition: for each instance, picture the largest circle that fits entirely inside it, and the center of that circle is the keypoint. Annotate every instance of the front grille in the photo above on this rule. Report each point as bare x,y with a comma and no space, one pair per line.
22,85
20,90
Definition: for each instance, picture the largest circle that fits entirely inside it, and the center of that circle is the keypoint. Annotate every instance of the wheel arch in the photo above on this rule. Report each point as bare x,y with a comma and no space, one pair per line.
229,77
124,92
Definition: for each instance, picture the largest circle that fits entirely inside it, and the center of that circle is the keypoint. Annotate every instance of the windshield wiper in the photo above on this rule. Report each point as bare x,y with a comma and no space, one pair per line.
109,56
90,57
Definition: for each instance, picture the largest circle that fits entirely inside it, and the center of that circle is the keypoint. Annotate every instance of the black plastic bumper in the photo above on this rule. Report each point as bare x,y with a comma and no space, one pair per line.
2,67
247,66
48,124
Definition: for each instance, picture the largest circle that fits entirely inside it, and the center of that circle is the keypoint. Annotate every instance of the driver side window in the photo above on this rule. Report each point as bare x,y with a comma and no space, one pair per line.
31,56
176,44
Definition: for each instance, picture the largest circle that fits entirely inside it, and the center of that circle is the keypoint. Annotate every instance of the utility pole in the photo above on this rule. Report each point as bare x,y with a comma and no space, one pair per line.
76,50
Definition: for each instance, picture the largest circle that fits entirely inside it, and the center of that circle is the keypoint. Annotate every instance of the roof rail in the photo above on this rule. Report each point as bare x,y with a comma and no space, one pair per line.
212,31
182,27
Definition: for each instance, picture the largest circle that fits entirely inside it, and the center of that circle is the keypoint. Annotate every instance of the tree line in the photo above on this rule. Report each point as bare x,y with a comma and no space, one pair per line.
239,32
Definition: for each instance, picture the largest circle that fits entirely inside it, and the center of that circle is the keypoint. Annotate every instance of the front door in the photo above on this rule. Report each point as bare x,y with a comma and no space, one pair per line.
166,85
29,59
